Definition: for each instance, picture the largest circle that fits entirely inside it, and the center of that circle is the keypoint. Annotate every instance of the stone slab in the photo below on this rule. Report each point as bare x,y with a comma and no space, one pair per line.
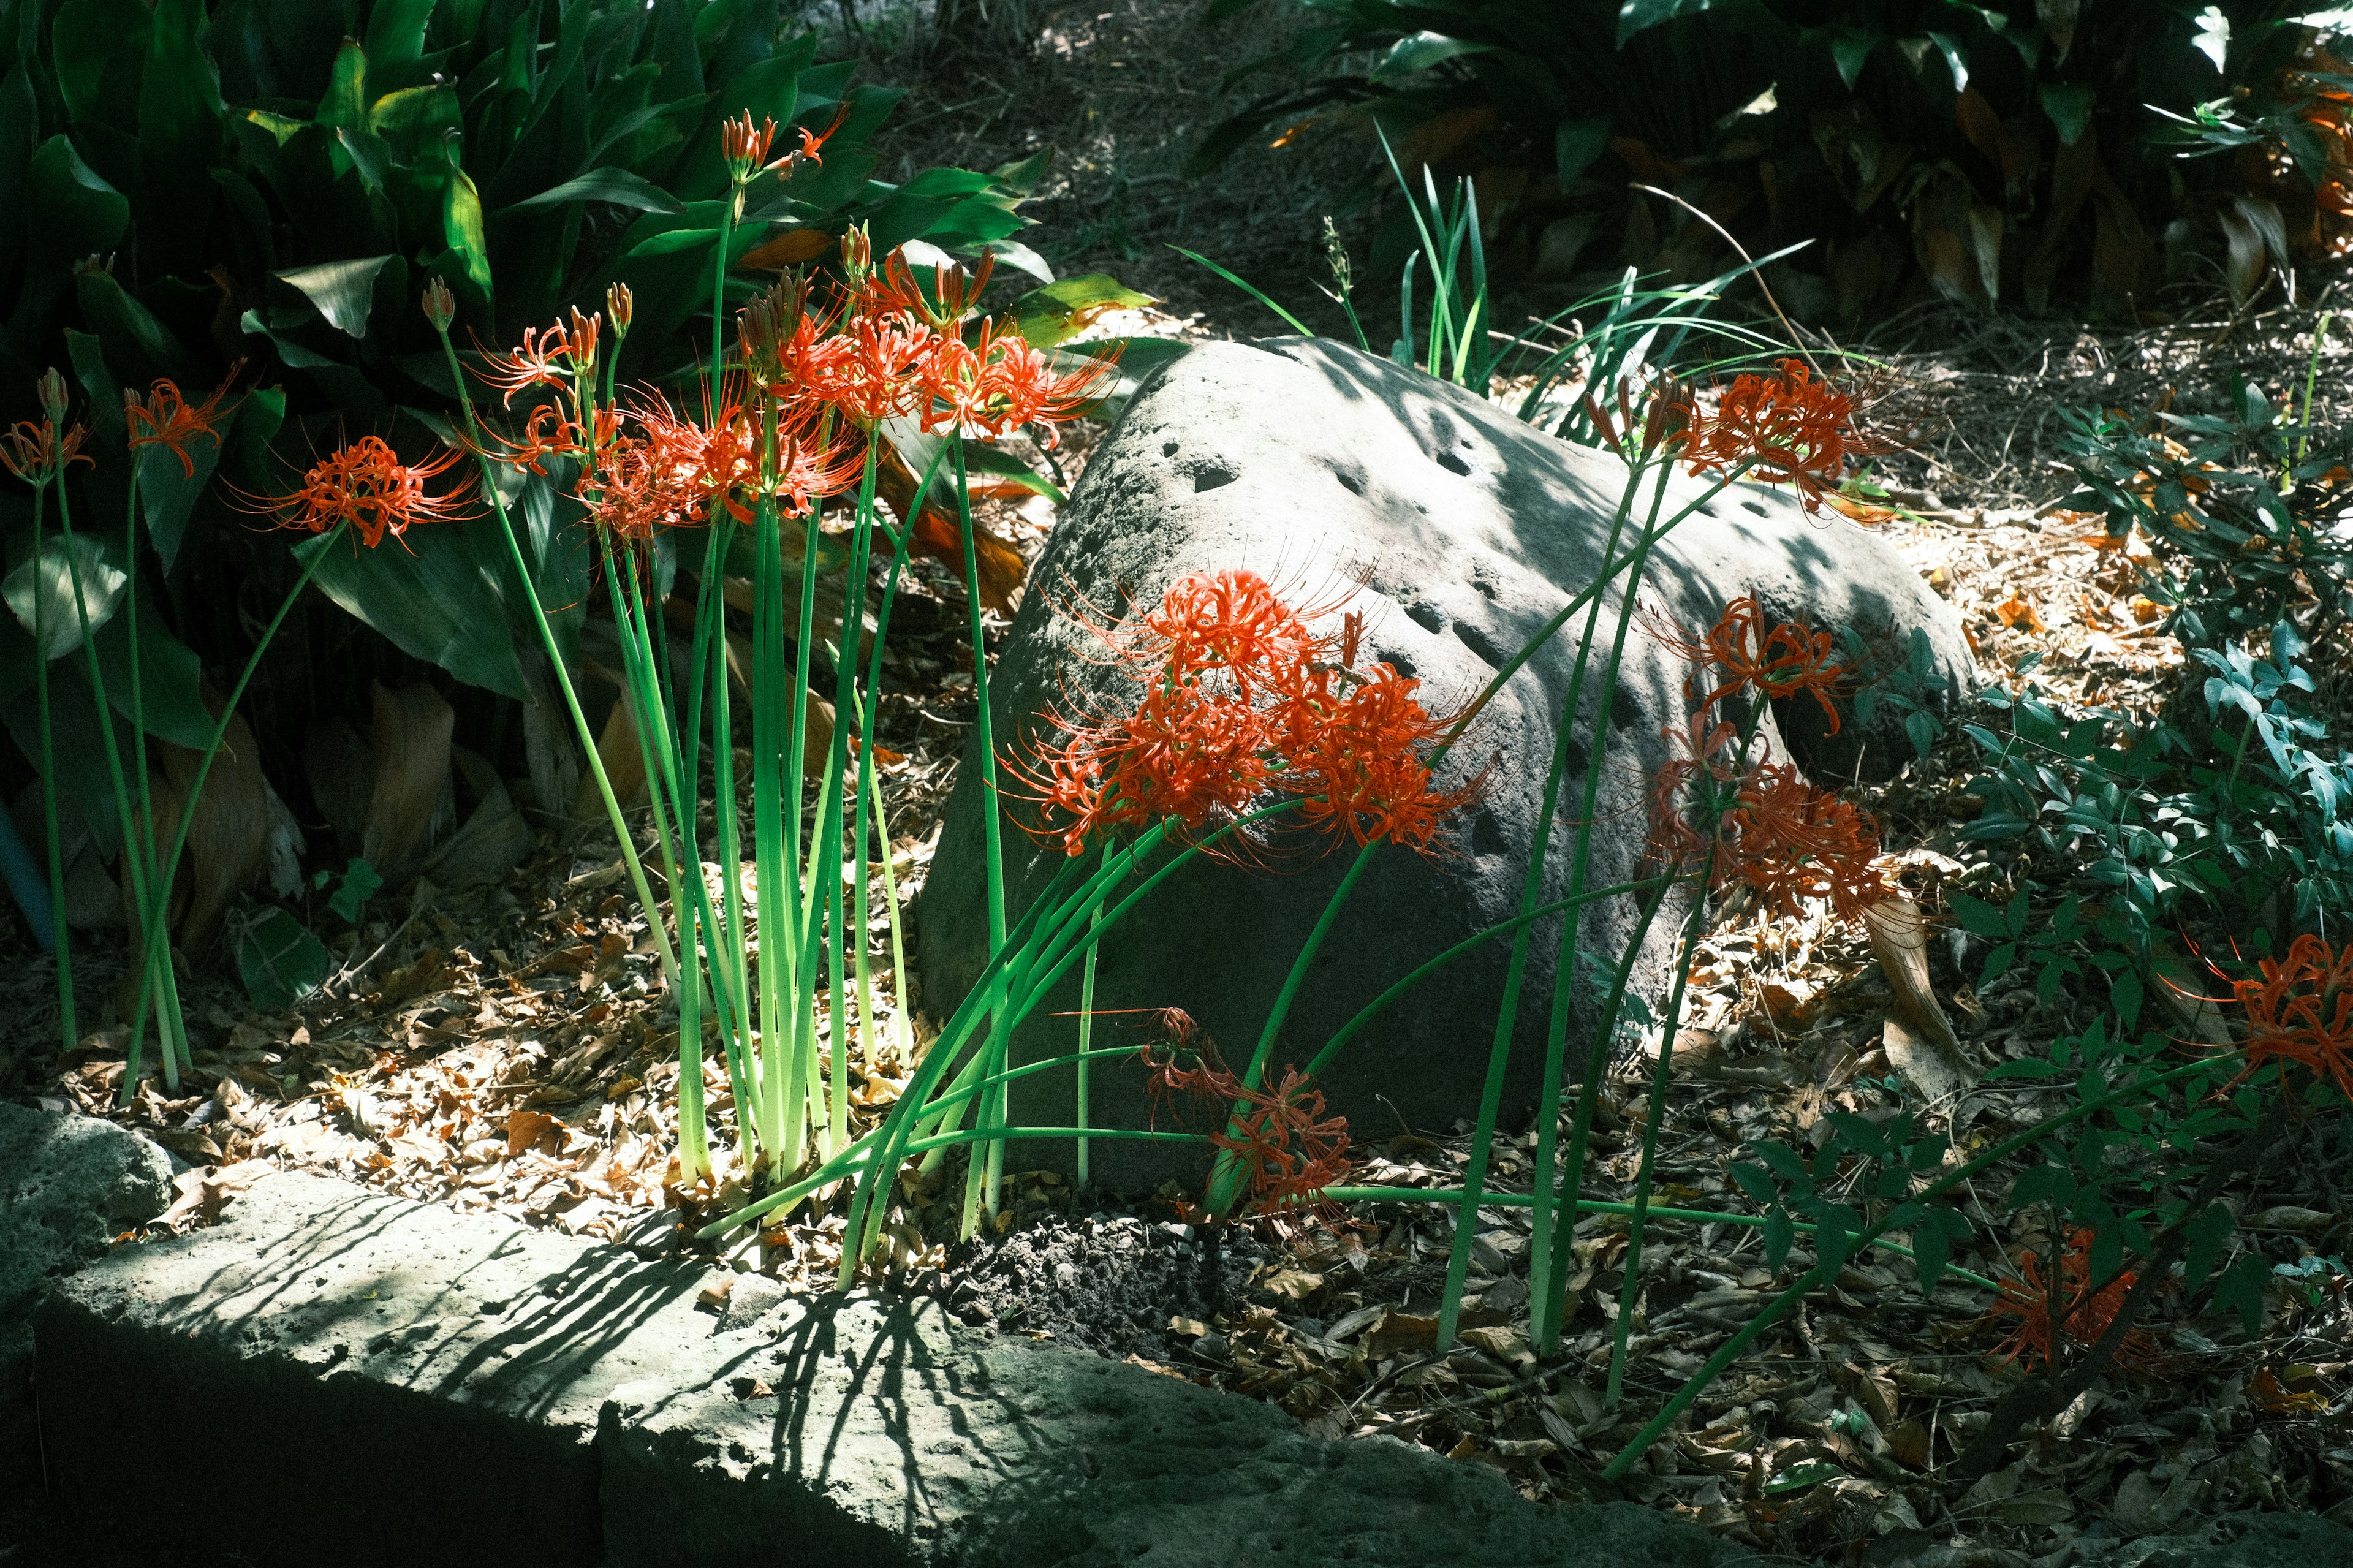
395,1383
68,1186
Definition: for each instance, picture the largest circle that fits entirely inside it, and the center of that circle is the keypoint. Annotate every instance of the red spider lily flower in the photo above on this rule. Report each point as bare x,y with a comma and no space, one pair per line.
36,454
1776,661
954,295
1000,382
1241,701
2301,1011
1279,1135
875,370
554,357
1788,428
2082,1316
743,145
1359,763
1022,391
1793,842
549,433
165,420
366,486
746,147
1674,844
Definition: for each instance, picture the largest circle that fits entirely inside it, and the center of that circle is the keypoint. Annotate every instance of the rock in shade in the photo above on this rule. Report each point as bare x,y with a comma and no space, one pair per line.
68,1186
1458,531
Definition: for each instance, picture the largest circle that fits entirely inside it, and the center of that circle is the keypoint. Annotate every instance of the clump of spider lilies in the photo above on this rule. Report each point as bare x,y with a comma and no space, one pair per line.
69,591
777,471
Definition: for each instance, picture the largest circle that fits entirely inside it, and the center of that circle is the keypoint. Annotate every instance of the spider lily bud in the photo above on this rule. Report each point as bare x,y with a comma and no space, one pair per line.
856,256
51,389
618,304
745,148
440,305
583,339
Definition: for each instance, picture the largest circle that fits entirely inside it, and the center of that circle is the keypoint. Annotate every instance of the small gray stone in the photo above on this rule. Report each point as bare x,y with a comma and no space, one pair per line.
1458,531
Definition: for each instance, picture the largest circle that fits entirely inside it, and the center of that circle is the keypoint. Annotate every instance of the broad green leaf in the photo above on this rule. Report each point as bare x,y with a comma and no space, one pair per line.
134,339
52,593
20,131
179,95
99,47
1420,51
1955,61
280,961
414,119
1978,917
1850,51
77,751
675,240
396,33
1641,16
1046,316
618,186
71,212
429,593
343,291
2068,105
1577,144
461,229
171,678
346,99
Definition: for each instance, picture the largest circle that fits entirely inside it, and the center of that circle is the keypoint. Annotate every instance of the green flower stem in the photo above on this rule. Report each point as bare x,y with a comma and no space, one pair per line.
1556,1061
563,677
136,855
61,938
1087,1023
1452,1195
169,864
1630,1288
1364,1016
129,612
992,835
1730,1349
1507,1009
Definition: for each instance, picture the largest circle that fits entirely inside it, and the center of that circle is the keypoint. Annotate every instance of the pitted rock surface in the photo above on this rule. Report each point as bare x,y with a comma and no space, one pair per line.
1320,468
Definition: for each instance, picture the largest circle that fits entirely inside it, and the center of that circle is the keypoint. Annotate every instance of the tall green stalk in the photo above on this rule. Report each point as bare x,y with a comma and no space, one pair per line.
62,937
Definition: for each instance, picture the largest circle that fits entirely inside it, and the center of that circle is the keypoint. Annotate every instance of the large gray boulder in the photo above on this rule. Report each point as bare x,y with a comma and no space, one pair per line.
68,1186
1321,466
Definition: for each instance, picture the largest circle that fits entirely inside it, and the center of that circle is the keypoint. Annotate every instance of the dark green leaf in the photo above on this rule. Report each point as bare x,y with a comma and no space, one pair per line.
134,339
1979,918
280,961
1780,1232
171,704
395,34
343,291
358,884
618,186
99,47
2241,1288
430,595
2068,105
1641,16
72,212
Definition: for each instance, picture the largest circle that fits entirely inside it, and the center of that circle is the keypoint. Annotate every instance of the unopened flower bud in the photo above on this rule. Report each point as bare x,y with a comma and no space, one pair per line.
619,305
440,305
51,390
583,339
857,255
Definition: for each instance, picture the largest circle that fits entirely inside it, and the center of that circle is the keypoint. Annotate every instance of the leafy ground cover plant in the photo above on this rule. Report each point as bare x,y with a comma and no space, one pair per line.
1986,156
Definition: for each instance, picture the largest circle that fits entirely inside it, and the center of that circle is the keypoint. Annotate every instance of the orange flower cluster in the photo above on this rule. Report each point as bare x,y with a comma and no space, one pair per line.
1790,429
37,454
2301,1011
1242,699
812,381
1282,1136
166,420
2082,1316
1764,824
1777,661
365,485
